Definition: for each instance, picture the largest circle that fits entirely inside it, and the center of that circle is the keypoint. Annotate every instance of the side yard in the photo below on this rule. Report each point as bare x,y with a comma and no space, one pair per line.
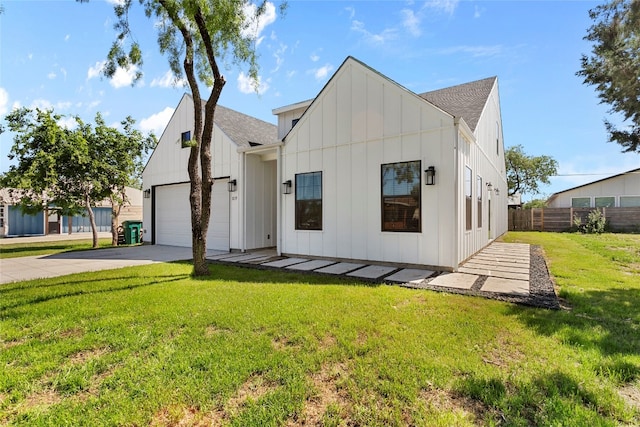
151,345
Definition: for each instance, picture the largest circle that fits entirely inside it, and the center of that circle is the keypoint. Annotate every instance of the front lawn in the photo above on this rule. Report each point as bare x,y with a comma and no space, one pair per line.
151,345
14,250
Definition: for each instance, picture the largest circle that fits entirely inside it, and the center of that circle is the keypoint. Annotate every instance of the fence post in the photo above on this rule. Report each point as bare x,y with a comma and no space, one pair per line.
571,217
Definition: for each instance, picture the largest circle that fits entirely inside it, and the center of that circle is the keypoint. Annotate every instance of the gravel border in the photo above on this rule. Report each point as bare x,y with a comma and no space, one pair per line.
541,288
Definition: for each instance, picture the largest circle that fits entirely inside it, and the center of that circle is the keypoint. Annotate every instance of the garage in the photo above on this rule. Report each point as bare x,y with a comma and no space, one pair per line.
21,224
173,216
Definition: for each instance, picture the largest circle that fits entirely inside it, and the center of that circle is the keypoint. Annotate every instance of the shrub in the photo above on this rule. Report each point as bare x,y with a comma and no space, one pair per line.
596,223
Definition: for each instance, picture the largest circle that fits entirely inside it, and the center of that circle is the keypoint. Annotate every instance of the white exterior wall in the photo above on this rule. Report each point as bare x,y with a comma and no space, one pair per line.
483,152
627,184
286,119
168,165
360,121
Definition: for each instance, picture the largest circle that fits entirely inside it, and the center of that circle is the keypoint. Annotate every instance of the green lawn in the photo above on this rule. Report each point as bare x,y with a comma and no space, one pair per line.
14,250
151,345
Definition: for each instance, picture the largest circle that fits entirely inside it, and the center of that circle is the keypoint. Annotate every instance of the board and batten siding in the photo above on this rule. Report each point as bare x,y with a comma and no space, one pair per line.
359,122
483,152
168,165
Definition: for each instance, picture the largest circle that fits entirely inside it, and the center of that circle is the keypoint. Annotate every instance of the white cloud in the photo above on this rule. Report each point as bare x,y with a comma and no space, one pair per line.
314,57
351,10
446,6
116,2
51,75
96,70
156,122
474,51
380,38
255,26
322,72
122,77
478,12
279,56
247,85
411,22
67,122
67,37
4,101
168,80
42,104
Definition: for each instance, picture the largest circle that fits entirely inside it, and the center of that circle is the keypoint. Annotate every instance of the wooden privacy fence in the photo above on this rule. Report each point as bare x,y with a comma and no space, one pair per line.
561,219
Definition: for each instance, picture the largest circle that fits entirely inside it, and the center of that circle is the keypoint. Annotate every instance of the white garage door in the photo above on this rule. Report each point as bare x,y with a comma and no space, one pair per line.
173,216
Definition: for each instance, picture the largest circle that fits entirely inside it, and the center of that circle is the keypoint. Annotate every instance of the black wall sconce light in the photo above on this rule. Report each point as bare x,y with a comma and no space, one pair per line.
286,187
430,175
489,186
232,185
497,191
147,193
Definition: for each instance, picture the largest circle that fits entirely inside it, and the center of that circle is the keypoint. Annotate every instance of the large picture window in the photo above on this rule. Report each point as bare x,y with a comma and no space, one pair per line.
401,198
309,201
580,202
468,189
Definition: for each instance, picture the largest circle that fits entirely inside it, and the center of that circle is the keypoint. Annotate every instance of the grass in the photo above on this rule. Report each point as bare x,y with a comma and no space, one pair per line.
14,250
152,345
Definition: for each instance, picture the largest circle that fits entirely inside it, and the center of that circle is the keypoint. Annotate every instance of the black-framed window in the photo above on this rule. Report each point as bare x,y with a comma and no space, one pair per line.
309,201
479,196
468,189
401,196
186,139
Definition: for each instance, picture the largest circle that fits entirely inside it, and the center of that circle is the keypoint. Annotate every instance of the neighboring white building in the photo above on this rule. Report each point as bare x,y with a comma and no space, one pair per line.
345,175
622,190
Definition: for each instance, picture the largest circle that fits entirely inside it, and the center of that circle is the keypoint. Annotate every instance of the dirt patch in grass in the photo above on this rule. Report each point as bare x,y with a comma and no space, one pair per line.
84,356
438,400
180,416
329,399
328,342
281,343
213,330
630,393
502,352
5,345
71,333
41,399
251,390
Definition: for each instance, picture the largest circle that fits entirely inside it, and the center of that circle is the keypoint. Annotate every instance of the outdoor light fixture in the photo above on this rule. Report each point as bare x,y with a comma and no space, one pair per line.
286,187
430,175
233,185
497,191
147,193
489,186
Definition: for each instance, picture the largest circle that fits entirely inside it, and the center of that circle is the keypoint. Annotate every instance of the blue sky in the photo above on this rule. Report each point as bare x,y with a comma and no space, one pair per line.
51,53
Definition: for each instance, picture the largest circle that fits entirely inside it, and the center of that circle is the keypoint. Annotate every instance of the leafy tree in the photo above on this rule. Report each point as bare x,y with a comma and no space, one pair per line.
195,35
525,173
614,66
535,203
70,170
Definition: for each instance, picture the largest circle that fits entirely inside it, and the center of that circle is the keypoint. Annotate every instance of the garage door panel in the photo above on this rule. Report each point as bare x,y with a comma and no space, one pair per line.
173,216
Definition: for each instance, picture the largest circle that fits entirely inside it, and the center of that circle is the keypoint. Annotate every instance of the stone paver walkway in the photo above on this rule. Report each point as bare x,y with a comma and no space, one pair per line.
499,270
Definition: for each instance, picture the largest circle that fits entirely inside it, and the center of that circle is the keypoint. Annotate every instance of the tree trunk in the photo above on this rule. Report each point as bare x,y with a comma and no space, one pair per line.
116,208
92,220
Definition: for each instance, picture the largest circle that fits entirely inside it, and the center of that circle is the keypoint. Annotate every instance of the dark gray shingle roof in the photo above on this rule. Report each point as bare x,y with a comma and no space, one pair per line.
466,100
244,129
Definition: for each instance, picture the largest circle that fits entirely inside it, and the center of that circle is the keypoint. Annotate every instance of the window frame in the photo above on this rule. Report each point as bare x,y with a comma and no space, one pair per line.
185,141
584,198
302,221
416,221
595,201
624,200
468,198
479,199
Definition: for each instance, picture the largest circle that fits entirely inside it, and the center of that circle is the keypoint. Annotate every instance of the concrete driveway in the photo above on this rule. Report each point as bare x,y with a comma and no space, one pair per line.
42,266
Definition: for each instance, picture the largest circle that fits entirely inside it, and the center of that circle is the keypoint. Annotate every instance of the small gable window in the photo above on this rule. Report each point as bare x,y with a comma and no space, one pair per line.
186,139
294,122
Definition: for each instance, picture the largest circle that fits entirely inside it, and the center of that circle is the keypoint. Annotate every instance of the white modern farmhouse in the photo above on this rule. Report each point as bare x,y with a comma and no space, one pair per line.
367,170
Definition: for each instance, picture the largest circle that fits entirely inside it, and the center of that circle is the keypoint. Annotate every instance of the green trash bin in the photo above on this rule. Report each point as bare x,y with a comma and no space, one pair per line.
132,232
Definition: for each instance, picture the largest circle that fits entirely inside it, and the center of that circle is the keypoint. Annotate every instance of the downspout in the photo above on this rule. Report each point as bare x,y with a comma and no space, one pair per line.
456,199
279,201
242,201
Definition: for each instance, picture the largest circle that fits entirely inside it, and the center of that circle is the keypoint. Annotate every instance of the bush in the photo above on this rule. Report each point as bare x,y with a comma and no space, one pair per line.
596,223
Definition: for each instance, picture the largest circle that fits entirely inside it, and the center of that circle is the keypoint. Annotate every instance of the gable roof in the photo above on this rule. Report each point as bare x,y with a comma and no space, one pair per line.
466,100
244,130
632,171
